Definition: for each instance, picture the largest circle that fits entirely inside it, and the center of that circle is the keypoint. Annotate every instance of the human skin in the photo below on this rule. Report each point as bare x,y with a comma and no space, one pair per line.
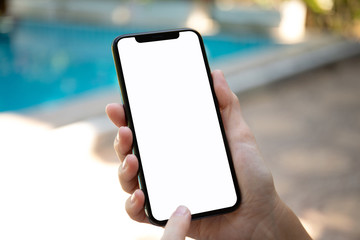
178,224
261,215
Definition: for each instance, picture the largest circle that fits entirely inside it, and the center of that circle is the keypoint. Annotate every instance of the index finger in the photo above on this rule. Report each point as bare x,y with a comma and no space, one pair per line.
116,113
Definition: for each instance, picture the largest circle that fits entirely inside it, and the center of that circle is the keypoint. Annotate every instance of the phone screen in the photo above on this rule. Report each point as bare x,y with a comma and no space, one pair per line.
180,143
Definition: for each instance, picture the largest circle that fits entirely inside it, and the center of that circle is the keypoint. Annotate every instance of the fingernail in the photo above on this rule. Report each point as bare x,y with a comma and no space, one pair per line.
181,211
106,107
132,199
117,136
124,164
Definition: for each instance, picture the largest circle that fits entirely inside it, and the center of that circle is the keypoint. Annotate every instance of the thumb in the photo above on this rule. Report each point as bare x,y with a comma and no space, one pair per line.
178,224
223,92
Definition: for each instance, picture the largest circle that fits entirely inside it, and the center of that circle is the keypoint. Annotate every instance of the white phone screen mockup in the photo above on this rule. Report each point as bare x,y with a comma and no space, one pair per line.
178,138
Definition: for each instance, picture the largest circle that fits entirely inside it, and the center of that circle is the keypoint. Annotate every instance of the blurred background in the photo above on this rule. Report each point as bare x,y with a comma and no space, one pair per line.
294,65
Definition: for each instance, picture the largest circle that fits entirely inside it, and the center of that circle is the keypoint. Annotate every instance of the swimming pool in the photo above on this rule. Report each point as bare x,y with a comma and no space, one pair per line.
42,62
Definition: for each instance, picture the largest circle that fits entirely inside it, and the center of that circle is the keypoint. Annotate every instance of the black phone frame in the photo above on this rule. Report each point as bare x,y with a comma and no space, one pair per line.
158,36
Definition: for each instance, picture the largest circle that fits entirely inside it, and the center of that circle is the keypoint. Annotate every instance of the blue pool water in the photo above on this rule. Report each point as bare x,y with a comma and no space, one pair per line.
42,62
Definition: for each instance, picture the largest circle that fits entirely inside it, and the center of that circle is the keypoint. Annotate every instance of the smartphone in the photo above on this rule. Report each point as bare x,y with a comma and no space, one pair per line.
172,110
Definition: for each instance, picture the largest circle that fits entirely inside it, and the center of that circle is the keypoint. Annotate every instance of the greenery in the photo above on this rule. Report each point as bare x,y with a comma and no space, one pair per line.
340,16
343,17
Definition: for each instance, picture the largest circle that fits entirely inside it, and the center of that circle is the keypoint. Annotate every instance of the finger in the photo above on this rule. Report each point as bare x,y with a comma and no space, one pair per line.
123,142
240,138
128,173
223,92
116,114
230,111
134,207
178,224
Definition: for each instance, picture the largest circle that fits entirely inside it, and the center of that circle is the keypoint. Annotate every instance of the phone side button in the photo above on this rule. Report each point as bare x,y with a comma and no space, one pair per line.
146,212
139,181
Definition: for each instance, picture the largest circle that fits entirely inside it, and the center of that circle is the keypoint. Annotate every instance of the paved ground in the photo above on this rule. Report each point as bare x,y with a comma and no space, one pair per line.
308,129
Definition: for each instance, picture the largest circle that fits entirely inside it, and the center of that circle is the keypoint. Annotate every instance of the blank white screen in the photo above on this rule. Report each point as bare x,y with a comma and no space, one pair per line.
179,138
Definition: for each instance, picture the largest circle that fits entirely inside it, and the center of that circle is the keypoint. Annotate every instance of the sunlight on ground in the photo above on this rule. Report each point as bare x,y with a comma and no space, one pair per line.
53,187
315,222
314,230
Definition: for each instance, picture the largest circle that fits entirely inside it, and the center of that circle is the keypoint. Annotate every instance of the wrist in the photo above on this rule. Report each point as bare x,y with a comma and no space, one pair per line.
280,224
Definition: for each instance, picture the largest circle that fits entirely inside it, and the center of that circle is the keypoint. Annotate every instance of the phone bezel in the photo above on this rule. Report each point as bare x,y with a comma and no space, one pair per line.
158,36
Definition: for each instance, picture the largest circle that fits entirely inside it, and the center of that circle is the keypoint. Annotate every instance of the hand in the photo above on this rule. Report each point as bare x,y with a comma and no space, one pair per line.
261,215
178,224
